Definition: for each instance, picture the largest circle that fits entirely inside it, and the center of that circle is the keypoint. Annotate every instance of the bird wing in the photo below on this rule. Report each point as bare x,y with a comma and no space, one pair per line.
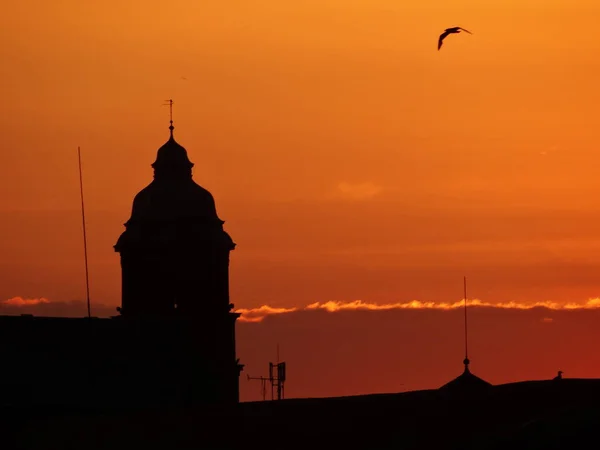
464,30
441,39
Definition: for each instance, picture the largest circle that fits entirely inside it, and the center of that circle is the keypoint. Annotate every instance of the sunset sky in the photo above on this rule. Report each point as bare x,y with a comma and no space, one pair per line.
349,158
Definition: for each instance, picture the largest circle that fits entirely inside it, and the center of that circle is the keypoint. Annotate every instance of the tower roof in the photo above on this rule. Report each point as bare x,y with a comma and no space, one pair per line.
466,382
173,209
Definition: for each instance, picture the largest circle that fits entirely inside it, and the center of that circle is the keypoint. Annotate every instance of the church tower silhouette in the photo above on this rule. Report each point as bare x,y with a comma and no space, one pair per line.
175,268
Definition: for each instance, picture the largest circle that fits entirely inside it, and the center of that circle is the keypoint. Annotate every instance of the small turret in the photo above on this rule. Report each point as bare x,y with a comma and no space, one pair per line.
467,381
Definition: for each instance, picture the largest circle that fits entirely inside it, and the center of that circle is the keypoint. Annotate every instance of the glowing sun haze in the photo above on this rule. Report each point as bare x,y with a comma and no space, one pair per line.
349,158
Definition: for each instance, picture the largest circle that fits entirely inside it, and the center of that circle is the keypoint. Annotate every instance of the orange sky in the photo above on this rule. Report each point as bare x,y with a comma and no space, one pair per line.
349,158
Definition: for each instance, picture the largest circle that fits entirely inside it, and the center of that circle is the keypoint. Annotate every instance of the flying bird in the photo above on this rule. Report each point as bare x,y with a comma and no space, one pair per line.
450,31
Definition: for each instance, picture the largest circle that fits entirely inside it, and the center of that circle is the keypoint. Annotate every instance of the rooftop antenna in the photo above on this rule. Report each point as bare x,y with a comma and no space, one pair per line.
277,376
263,385
466,361
87,278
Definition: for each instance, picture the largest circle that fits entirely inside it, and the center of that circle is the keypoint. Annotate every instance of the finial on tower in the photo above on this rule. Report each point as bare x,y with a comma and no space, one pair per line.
170,104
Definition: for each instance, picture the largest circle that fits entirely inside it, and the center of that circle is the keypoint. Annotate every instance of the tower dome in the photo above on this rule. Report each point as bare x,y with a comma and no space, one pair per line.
173,194
172,160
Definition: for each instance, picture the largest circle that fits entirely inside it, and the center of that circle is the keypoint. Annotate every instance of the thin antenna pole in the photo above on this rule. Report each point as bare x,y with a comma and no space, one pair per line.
465,292
278,353
87,278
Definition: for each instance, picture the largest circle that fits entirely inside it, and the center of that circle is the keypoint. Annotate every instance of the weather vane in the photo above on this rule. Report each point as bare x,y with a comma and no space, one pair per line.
170,105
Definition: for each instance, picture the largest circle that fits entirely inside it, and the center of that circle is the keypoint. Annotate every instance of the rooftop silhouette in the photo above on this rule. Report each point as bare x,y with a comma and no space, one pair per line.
466,381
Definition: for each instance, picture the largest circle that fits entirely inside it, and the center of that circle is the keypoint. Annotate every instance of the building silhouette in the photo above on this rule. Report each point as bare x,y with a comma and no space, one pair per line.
173,344
173,341
175,267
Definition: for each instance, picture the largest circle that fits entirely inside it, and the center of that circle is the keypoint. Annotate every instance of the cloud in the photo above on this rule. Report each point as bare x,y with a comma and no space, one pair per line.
361,191
20,301
44,307
258,314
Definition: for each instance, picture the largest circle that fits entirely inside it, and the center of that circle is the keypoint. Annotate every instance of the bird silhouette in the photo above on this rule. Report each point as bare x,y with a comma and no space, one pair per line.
450,31
559,376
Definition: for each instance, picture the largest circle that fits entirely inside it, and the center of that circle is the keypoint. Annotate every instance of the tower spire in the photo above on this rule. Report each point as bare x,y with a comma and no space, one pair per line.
467,380
170,104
